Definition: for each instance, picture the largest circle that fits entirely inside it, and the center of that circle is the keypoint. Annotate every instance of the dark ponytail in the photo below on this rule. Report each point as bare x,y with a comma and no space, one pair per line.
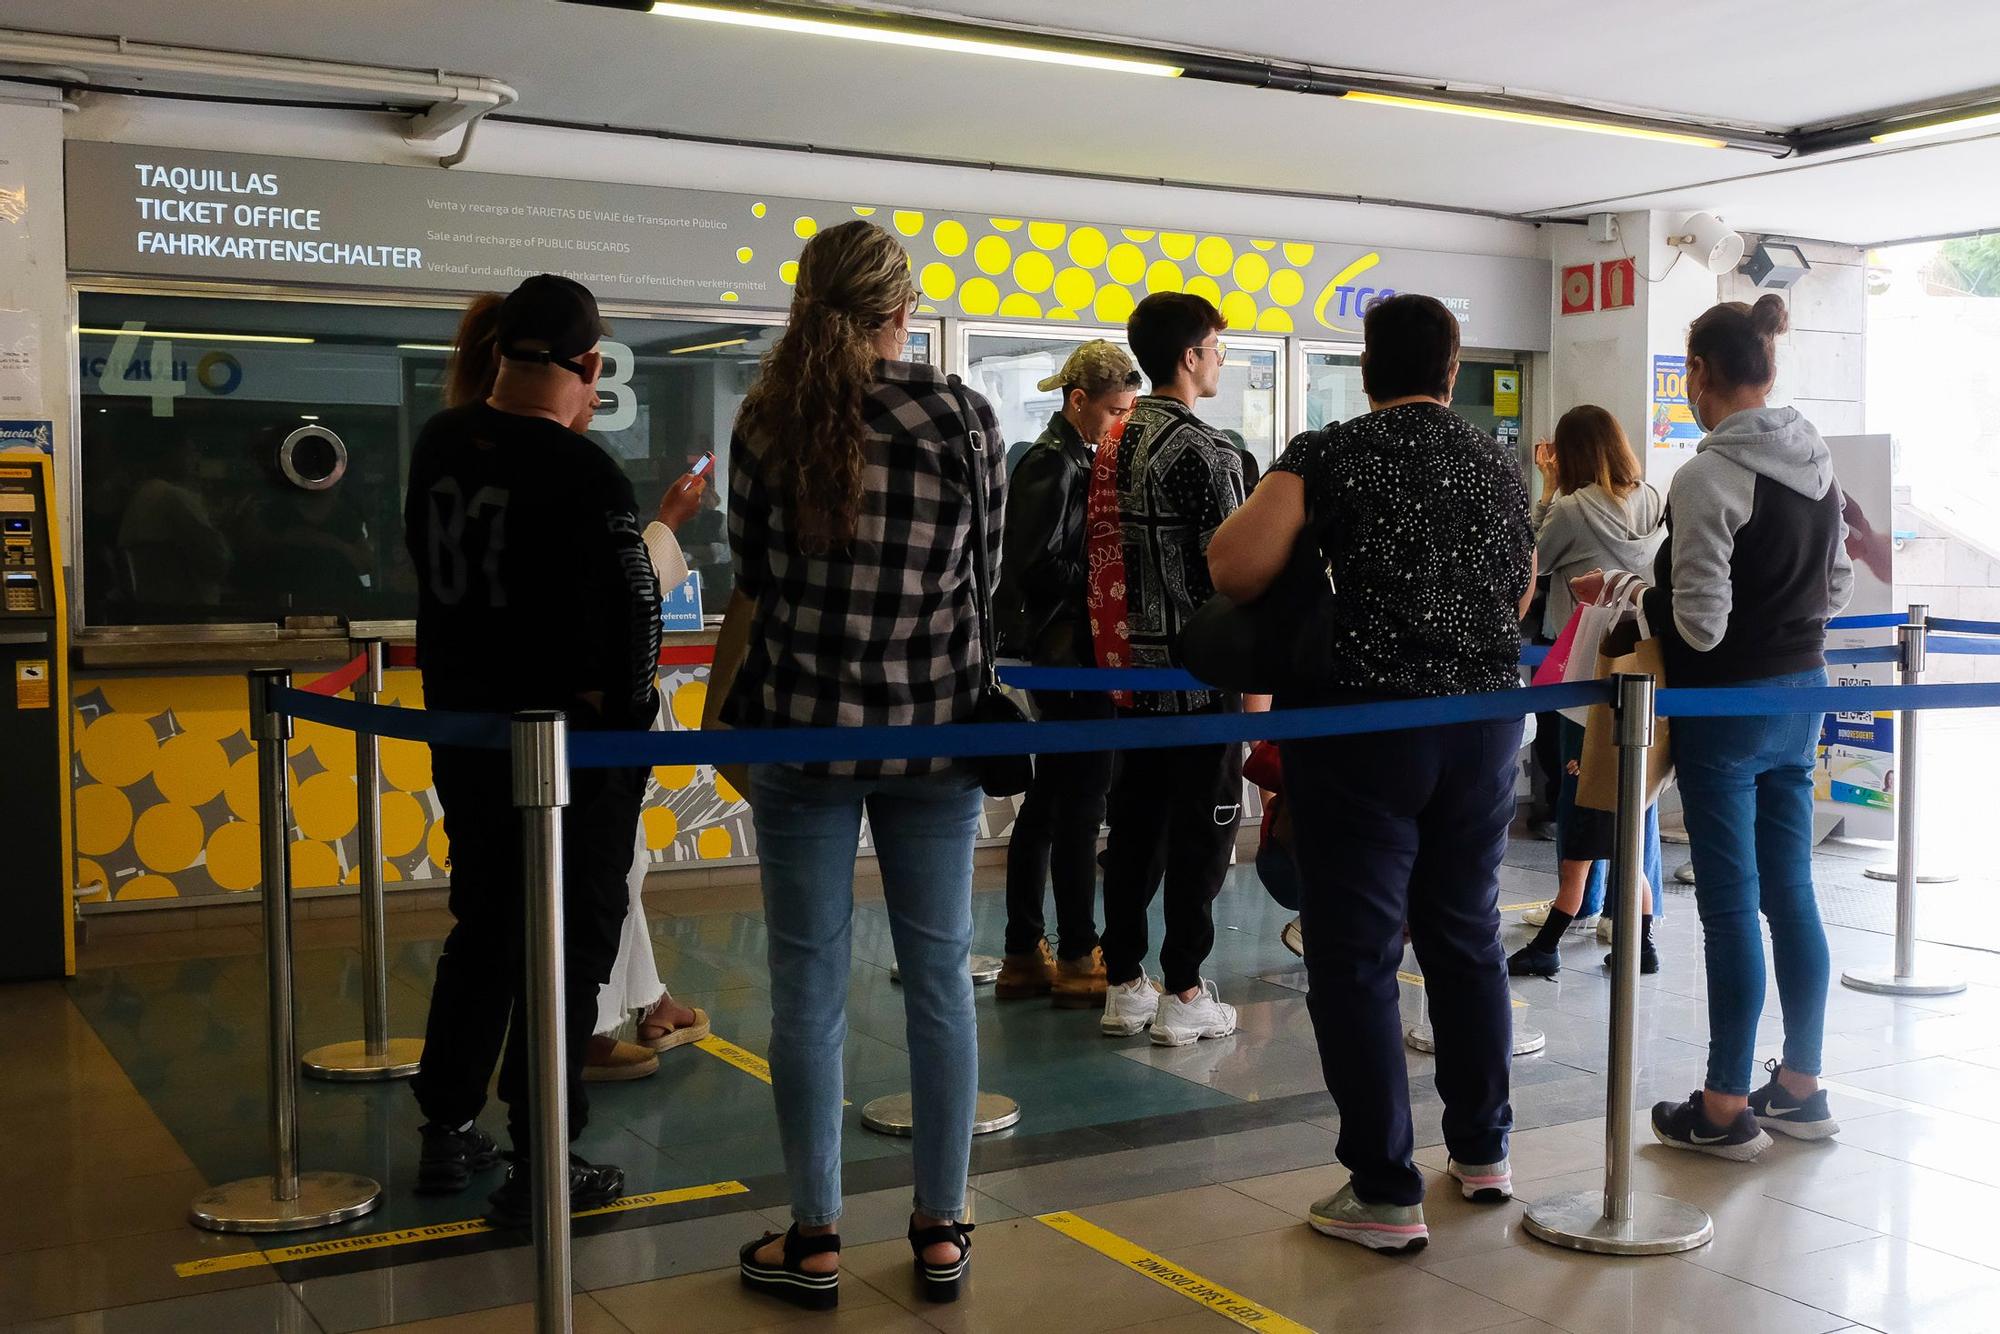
1738,342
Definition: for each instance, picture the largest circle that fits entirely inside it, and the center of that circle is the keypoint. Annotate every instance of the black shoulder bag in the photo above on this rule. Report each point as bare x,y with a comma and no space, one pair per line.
999,775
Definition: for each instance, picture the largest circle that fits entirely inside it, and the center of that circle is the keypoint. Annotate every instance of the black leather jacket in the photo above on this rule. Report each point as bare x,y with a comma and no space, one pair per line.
1040,605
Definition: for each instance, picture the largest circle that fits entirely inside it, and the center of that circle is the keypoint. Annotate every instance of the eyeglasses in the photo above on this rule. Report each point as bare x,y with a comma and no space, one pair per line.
1221,352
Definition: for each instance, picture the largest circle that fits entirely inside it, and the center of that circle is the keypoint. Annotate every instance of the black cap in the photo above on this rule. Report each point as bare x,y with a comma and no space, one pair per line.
548,319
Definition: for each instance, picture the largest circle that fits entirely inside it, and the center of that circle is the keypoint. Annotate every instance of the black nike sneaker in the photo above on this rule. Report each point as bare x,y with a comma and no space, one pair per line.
451,1158
591,1186
1801,1118
1683,1125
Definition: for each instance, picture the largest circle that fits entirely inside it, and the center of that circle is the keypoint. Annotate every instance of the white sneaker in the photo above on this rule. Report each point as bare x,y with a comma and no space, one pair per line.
1176,1022
1604,929
1129,1008
1293,938
1539,917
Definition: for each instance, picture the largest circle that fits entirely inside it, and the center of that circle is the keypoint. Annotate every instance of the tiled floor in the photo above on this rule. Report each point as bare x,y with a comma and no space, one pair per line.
130,1088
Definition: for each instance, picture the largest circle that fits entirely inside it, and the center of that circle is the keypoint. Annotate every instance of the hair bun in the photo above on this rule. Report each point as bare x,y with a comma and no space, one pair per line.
1769,317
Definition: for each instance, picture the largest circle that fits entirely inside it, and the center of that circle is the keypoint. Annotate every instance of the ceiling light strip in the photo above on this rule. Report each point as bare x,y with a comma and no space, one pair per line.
193,337
1973,120
706,347
1550,121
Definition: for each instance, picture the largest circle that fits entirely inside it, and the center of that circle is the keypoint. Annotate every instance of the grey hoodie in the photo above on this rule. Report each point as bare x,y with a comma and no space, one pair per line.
1755,562
1593,529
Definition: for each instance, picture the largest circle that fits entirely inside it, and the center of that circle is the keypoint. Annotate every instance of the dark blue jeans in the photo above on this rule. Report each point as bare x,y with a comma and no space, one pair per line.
1394,827
1747,786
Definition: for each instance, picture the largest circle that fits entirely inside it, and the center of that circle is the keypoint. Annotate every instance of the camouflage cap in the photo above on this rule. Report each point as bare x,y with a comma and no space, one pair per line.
1095,367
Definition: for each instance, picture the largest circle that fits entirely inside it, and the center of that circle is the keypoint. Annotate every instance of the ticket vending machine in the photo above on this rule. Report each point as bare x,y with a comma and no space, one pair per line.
37,867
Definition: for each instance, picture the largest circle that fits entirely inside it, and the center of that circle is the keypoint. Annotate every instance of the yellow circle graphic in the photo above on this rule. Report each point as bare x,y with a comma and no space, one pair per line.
391,874
744,254
712,843
190,769
142,695
167,837
726,791
949,237
406,764
1164,276
332,747
1126,264
1214,255
103,819
1087,247
92,884
314,865
938,281
788,272
216,707
1060,314
861,212
1287,287
1274,321
757,210
673,777
1046,235
235,857
437,846
1137,234
147,887
992,254
1074,288
731,296
403,821
1206,288
804,228
1020,306
119,749
239,789
1240,310
1176,245
1252,270
979,296
1265,245
323,806
1034,271
1298,252
661,826
907,221
1005,224
1113,305
687,704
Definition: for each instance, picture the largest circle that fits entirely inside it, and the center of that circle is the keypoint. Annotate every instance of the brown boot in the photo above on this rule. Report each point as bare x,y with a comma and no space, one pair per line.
1026,975
1080,983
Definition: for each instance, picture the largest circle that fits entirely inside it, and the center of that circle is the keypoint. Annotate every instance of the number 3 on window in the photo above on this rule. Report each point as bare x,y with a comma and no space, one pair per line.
615,380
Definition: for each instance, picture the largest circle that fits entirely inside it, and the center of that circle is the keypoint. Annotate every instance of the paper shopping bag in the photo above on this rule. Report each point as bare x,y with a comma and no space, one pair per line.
1597,775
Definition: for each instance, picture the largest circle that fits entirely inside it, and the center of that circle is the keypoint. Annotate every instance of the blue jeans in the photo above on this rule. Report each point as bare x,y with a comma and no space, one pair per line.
1747,786
1571,749
808,832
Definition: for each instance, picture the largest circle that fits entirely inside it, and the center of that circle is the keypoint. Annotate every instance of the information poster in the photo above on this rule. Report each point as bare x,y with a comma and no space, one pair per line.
1673,423
680,609
20,364
1857,754
1506,393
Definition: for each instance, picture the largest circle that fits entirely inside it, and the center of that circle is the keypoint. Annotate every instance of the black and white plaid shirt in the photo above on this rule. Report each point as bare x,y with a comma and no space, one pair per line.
882,633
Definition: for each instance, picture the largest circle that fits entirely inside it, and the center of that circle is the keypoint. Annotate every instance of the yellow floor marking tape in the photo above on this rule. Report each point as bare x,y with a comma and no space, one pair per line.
1417,980
1229,1305
749,1062
372,1241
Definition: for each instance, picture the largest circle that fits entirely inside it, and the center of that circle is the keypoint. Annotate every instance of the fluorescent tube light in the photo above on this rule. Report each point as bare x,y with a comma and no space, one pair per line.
706,347
1534,118
425,347
865,32
1971,122
194,337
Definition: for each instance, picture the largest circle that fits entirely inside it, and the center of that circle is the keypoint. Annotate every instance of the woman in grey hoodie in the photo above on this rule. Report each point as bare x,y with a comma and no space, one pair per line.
1597,513
1754,565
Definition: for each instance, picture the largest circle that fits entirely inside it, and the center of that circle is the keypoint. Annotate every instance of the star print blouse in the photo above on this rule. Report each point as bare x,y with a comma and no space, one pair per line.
1424,523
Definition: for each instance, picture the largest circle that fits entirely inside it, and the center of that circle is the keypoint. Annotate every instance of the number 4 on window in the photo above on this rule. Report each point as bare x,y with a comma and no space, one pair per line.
127,375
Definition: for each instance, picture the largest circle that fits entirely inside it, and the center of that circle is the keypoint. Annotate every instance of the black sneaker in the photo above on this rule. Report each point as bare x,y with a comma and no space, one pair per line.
450,1158
1649,958
1683,1125
1801,1118
1531,962
591,1186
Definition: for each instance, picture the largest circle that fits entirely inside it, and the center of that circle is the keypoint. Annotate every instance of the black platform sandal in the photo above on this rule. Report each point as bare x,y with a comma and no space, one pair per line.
814,1292
942,1283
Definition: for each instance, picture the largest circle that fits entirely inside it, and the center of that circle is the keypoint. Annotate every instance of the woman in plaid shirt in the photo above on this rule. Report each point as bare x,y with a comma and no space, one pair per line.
851,524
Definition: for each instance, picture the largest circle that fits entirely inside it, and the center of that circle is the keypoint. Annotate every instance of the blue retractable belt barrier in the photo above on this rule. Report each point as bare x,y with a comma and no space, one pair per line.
1764,701
1881,620
1101,678
1963,627
1845,657
1987,648
482,731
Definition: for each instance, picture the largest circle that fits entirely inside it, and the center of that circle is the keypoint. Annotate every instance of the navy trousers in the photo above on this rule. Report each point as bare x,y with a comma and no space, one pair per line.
1397,827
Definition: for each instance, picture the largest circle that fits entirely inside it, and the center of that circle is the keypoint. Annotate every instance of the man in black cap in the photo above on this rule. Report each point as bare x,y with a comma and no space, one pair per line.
535,591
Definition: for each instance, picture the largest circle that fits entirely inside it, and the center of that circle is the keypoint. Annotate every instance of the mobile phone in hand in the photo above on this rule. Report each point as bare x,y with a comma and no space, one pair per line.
702,465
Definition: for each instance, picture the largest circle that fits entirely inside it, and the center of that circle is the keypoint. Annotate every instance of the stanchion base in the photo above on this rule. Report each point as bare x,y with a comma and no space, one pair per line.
1527,1041
985,968
1932,877
1884,982
1658,1225
252,1205
351,1062
892,1114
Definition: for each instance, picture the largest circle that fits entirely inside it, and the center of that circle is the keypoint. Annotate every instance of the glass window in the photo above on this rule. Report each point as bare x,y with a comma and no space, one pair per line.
1006,367
243,461
1333,389
1490,393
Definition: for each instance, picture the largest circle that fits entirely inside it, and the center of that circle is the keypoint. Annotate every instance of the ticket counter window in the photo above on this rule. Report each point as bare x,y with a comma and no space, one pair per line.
242,462
1490,392
1007,366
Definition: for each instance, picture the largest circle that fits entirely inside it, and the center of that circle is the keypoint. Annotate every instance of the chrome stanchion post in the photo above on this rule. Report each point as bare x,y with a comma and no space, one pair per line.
1619,1220
541,790
377,1055
287,1199
1904,979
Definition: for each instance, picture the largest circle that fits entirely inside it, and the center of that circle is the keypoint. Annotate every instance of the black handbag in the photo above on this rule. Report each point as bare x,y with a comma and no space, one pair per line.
999,775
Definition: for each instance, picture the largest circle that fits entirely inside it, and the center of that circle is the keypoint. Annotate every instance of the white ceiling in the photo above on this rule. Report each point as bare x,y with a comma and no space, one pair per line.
1778,64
